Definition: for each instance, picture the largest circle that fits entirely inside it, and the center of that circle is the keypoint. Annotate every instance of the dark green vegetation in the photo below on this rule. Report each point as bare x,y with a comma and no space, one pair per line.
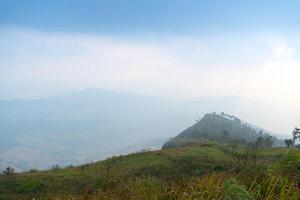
203,170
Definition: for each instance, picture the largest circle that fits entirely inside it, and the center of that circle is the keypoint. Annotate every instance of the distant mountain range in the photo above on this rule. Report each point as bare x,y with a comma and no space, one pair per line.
223,128
93,124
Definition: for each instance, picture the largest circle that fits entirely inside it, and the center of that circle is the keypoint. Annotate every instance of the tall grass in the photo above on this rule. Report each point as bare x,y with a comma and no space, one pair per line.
129,178
215,186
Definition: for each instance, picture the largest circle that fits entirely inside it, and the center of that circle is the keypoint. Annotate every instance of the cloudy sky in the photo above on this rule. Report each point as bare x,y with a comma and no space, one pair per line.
177,49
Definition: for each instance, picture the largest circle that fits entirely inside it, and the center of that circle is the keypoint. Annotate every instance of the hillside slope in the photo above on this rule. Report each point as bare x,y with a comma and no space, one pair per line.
224,128
134,174
70,128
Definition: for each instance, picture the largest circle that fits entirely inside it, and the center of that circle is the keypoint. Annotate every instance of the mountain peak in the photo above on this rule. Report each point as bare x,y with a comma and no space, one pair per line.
223,115
223,128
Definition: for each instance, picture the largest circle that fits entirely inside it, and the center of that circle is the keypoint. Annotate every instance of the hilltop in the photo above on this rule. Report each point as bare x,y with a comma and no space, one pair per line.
223,128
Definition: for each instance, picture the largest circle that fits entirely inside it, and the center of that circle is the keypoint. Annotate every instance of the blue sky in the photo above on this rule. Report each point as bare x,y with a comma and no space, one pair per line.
187,37
158,16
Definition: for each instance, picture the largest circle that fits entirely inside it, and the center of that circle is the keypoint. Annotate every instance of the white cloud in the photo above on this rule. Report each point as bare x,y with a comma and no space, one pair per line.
277,79
255,66
282,51
260,67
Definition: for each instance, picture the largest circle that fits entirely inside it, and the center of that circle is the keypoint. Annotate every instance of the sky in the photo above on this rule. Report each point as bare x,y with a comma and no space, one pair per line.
177,49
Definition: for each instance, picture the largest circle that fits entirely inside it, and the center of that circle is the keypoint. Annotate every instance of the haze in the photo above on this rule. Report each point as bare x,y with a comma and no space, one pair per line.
171,50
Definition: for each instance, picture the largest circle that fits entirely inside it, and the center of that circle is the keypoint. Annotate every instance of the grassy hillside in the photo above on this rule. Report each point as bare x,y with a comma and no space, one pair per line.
206,170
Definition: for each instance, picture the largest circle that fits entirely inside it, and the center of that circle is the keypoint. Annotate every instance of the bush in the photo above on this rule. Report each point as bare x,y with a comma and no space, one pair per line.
218,167
33,186
290,165
234,191
33,170
99,183
9,171
55,167
28,186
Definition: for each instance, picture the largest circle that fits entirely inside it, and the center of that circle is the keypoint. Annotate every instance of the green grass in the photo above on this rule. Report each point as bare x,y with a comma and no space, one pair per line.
196,171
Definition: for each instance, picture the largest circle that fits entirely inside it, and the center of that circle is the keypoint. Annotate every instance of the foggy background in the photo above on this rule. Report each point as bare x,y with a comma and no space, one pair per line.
82,81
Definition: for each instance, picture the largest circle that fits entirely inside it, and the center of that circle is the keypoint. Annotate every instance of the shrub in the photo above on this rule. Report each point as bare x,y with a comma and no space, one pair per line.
234,191
33,186
33,170
55,167
9,171
218,167
290,165
28,186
